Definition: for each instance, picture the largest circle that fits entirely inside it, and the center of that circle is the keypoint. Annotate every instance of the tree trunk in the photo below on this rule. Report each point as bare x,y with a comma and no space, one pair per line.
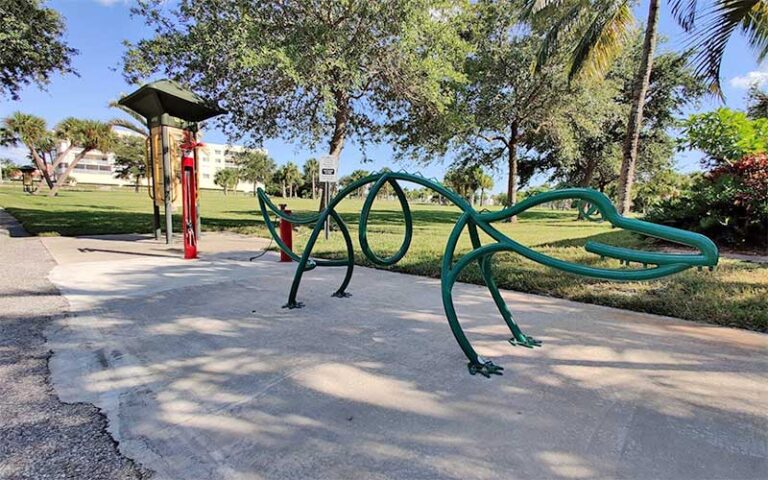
586,180
60,157
41,166
635,123
314,191
63,179
589,173
341,121
136,185
282,184
512,180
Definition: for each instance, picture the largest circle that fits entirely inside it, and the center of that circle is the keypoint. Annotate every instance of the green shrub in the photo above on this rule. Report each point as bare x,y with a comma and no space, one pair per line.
729,204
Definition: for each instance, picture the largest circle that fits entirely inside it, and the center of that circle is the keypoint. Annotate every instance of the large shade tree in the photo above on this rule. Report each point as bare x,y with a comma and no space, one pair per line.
255,167
322,71
130,158
584,146
227,179
31,46
502,105
604,26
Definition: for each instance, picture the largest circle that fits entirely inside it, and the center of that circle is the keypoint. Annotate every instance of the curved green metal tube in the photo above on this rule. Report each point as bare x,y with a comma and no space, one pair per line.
363,225
587,211
661,264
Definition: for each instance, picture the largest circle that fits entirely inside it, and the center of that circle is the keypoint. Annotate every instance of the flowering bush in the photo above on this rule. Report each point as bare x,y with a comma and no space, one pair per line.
730,204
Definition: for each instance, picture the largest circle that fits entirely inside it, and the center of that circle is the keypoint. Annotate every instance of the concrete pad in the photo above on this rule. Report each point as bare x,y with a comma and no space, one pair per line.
203,375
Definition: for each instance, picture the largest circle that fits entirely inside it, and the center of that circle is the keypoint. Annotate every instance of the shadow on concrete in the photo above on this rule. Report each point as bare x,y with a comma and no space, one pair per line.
208,377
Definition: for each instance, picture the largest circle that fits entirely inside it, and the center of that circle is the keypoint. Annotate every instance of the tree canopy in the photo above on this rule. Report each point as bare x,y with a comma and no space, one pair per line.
31,45
227,179
323,71
255,166
130,158
496,113
725,135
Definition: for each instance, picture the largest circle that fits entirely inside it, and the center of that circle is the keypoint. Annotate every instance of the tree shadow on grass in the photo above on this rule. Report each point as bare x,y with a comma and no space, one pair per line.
89,222
617,237
422,216
80,222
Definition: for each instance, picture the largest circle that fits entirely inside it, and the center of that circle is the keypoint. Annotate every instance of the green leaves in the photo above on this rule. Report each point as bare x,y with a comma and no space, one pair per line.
31,46
255,166
725,135
25,128
130,157
286,69
86,134
227,178
719,20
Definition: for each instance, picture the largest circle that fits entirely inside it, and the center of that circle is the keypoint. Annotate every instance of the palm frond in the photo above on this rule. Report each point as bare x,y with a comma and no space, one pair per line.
533,8
684,12
128,125
551,41
128,111
755,27
711,37
602,41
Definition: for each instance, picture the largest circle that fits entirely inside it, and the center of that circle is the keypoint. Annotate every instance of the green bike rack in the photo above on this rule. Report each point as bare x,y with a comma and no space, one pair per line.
654,264
588,211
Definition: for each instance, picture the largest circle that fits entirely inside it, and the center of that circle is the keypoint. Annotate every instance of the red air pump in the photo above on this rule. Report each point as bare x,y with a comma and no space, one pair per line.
189,194
286,233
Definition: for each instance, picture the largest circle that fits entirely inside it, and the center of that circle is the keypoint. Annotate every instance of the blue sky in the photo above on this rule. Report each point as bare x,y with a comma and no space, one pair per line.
97,28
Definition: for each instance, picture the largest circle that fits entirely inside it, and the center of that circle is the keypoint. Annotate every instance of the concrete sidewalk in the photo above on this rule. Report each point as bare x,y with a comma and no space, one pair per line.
203,375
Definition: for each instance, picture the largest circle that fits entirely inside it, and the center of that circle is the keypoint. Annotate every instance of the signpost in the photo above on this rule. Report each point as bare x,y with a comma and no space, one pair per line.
329,173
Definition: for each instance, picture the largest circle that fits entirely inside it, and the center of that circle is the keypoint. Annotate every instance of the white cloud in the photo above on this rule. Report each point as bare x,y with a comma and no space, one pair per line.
109,3
757,77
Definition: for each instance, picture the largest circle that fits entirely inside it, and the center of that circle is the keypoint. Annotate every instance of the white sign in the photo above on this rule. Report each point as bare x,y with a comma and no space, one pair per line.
329,169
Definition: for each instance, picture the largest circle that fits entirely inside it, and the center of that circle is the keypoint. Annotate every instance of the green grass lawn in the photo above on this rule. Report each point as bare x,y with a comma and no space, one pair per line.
736,294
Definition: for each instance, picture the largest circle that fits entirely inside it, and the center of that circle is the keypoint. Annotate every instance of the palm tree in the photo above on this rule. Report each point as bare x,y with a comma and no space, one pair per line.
292,177
88,135
138,125
484,182
31,131
757,103
311,172
603,26
255,166
227,178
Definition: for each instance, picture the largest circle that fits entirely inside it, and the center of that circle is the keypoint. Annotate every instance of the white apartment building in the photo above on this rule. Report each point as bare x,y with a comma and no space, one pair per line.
98,168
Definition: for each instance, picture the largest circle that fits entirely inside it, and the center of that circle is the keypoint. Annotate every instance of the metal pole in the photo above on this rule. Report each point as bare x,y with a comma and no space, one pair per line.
155,208
166,145
327,194
197,188
156,220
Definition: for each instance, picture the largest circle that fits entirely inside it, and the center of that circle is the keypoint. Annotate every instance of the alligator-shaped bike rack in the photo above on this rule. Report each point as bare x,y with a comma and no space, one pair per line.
592,202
